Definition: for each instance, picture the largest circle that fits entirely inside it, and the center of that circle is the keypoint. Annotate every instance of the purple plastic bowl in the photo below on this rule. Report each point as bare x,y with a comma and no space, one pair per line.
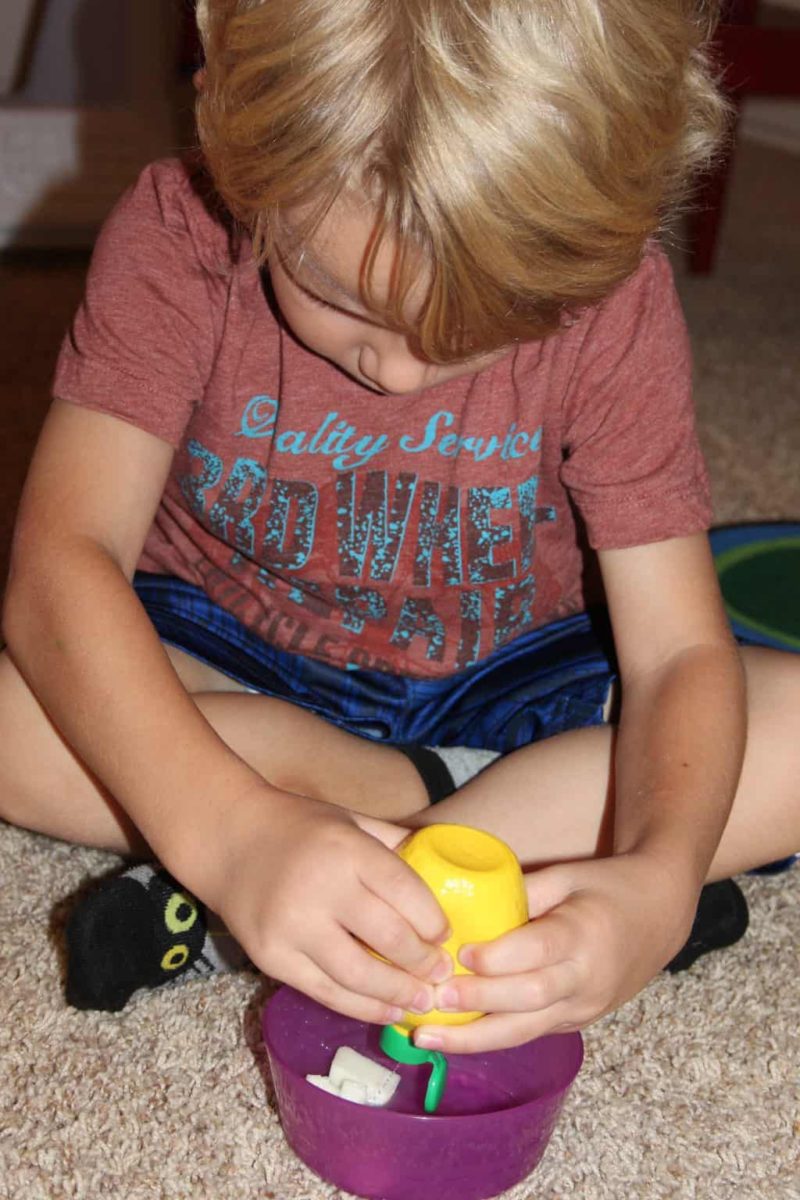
492,1128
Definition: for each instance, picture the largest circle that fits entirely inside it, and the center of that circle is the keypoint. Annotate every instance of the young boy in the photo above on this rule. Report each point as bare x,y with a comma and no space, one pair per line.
355,484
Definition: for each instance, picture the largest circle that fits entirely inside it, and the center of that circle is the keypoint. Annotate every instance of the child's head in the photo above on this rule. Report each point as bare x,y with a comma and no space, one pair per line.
506,160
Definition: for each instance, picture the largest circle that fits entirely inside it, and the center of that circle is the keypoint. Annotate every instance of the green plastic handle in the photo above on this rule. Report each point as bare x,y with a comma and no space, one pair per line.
397,1044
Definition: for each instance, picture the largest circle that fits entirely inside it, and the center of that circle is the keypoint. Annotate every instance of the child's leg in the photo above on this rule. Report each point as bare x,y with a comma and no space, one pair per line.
45,788
764,825
553,800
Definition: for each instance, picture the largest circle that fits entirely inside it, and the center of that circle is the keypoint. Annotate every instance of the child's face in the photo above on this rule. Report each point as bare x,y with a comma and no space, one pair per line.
317,292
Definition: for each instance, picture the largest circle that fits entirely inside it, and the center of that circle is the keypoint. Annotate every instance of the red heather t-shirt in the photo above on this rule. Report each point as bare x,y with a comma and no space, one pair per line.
411,534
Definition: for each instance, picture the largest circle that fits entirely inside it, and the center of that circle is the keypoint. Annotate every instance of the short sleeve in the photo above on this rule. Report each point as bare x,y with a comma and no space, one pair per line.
633,465
141,345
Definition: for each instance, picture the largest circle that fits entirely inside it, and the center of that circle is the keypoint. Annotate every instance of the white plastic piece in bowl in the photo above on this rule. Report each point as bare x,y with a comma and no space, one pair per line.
350,1089
323,1082
355,1077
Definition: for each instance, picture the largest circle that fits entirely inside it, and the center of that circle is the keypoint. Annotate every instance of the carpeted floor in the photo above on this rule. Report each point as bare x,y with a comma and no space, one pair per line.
689,1092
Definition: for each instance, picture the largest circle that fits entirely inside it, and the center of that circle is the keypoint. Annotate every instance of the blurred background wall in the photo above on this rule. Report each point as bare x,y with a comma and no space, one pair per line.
774,121
89,92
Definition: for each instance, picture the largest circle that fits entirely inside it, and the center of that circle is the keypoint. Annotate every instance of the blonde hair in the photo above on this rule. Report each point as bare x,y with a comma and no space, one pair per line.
527,148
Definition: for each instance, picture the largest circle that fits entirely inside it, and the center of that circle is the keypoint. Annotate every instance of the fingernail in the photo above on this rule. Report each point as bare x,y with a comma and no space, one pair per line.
394,1015
429,1041
442,970
466,956
447,1000
423,1001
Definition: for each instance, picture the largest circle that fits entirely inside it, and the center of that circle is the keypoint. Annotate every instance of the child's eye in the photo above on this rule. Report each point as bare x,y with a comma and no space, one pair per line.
312,296
336,308
318,300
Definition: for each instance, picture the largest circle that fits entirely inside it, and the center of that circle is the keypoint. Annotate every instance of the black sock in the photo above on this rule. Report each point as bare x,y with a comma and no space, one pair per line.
140,929
721,919
444,769
432,771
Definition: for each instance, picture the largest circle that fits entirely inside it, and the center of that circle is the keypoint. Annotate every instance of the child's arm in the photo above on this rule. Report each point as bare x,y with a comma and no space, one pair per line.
295,879
604,927
682,728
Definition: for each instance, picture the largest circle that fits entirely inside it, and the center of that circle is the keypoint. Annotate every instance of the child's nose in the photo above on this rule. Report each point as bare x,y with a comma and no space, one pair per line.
393,369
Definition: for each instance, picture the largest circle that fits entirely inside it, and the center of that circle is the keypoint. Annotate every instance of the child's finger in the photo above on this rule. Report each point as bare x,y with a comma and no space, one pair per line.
529,992
310,978
402,889
540,943
498,1031
548,887
382,928
352,967
386,832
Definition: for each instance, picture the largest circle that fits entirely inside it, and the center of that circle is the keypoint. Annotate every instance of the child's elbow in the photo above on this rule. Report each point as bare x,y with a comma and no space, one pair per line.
16,611
25,603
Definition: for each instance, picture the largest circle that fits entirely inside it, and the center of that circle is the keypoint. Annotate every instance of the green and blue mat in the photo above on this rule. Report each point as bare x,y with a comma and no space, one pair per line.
759,573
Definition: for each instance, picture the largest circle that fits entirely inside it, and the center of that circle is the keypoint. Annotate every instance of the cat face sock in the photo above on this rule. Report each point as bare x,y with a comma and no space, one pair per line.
141,929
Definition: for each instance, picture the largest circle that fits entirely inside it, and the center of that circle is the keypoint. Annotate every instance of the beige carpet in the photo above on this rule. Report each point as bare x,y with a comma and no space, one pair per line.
689,1092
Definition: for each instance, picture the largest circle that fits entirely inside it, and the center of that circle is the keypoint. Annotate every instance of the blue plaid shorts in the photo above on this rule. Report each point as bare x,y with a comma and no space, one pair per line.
545,682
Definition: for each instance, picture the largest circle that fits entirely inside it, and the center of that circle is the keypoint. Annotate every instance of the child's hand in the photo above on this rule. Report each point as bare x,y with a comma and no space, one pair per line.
606,928
302,887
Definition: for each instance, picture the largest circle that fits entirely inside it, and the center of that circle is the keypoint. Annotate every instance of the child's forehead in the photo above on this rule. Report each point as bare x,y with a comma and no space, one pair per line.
327,244
335,249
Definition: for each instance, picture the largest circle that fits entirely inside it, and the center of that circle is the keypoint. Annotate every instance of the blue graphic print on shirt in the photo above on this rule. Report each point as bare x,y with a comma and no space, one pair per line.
368,544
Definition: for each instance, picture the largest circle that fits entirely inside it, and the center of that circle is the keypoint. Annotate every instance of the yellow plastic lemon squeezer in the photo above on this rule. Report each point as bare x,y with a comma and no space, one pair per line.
478,882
